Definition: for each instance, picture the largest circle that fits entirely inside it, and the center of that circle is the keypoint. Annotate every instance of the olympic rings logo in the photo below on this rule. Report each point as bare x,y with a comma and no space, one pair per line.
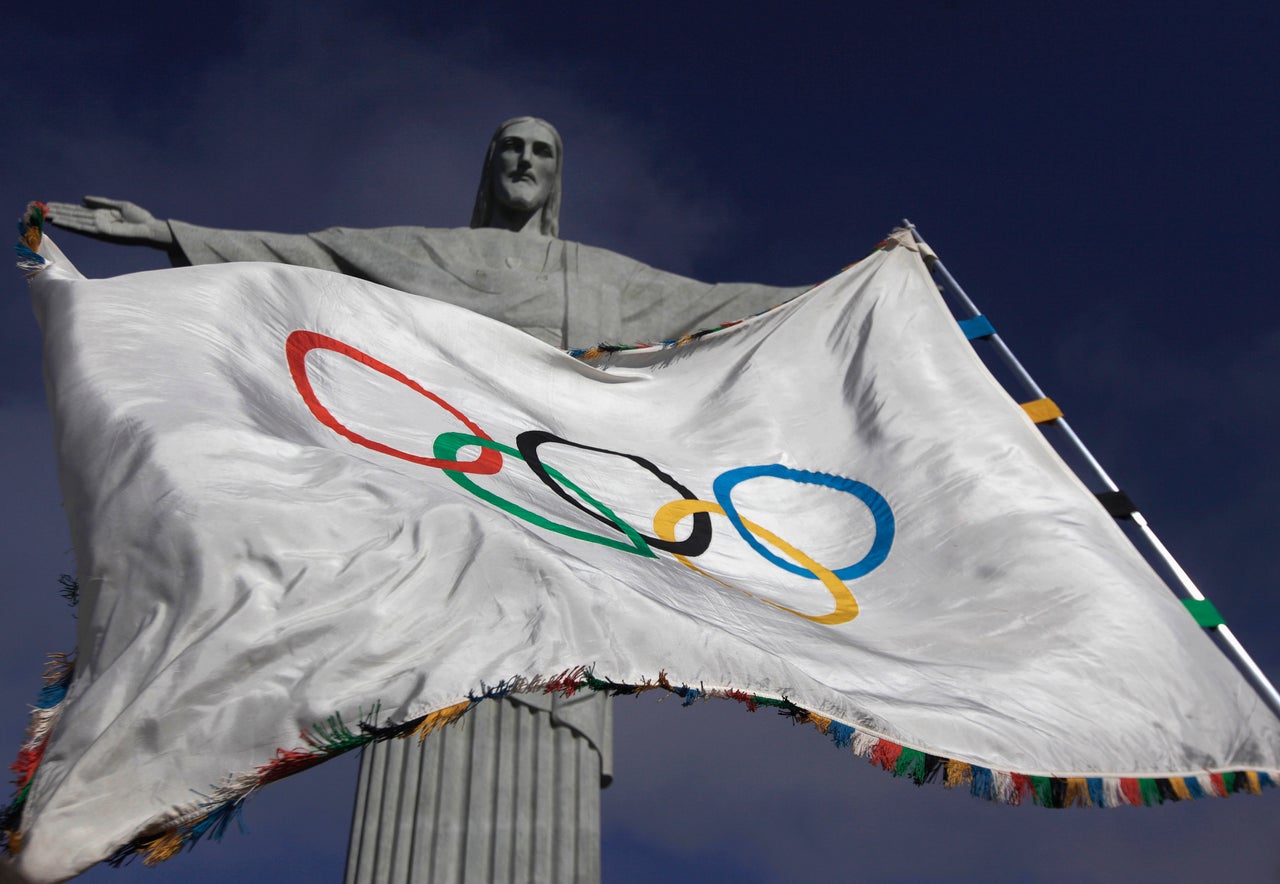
490,458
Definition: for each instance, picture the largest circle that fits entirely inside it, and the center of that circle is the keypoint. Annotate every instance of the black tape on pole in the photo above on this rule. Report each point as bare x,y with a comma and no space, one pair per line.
1117,503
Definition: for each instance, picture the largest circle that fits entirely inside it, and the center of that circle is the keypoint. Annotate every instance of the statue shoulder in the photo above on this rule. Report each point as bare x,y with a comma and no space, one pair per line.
480,238
391,234
466,250
484,240
601,263
407,242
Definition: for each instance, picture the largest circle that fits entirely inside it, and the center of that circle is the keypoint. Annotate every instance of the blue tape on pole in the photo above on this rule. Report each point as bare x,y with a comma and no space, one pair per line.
977,327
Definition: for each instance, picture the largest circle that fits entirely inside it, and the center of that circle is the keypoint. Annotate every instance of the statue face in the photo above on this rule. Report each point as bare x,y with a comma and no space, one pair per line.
524,166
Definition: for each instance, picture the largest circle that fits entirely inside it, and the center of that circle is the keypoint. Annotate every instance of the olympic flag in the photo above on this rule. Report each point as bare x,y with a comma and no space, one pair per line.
310,511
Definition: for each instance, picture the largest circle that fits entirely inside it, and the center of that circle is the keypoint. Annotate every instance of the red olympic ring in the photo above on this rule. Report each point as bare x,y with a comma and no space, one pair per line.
300,343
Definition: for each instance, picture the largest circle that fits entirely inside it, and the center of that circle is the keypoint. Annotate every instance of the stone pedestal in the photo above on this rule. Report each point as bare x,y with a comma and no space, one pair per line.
511,793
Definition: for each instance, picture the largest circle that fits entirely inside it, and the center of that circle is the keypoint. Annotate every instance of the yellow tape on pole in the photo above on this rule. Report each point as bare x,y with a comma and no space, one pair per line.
1042,410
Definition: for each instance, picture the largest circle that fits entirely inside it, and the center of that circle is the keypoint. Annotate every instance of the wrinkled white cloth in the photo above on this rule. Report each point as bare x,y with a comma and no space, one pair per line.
259,549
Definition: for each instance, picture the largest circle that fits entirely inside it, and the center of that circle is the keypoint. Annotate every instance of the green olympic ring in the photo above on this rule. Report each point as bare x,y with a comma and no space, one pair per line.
446,448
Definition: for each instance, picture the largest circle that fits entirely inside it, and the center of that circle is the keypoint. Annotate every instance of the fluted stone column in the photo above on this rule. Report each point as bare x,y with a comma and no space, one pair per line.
511,793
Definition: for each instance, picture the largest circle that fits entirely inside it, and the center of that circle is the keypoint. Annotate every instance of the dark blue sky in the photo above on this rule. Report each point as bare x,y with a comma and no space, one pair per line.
1101,178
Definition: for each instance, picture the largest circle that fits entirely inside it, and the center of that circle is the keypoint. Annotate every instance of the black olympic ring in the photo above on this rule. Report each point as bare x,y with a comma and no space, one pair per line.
693,545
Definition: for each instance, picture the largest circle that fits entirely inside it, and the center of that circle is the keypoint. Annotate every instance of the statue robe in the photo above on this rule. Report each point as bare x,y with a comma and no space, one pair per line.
561,292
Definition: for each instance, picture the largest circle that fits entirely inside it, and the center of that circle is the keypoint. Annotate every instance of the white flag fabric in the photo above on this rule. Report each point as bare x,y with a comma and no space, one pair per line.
301,503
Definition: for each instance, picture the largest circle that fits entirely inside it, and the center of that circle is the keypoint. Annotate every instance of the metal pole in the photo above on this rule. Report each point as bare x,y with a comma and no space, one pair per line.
1235,650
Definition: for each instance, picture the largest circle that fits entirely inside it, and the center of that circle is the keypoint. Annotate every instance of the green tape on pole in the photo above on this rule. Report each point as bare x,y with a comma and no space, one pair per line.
1204,612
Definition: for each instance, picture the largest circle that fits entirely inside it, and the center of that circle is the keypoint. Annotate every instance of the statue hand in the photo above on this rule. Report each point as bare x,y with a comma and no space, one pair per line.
117,221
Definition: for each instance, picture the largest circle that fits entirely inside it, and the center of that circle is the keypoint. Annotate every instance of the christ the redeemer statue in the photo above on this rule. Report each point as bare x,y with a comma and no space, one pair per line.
512,793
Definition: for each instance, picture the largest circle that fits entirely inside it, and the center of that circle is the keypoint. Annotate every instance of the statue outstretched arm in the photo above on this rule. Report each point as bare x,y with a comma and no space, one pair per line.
115,221
665,305
126,223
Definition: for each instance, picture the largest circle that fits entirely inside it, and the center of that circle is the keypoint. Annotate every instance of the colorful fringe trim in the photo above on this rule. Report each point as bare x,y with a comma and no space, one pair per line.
215,812
588,354
44,717
30,235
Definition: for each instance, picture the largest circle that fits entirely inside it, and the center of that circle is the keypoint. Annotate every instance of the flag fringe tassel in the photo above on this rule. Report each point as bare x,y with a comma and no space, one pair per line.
58,671
215,812
30,235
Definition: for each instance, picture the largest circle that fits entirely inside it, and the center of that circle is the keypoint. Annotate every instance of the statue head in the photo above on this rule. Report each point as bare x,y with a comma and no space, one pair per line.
521,177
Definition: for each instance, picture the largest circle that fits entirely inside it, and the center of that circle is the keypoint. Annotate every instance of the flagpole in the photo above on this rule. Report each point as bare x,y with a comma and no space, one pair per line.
1235,649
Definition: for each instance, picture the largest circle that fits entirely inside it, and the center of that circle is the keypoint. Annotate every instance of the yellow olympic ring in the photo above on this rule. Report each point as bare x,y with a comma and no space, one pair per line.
670,515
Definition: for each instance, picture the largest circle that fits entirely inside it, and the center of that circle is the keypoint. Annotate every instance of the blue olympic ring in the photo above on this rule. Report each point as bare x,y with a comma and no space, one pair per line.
724,484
